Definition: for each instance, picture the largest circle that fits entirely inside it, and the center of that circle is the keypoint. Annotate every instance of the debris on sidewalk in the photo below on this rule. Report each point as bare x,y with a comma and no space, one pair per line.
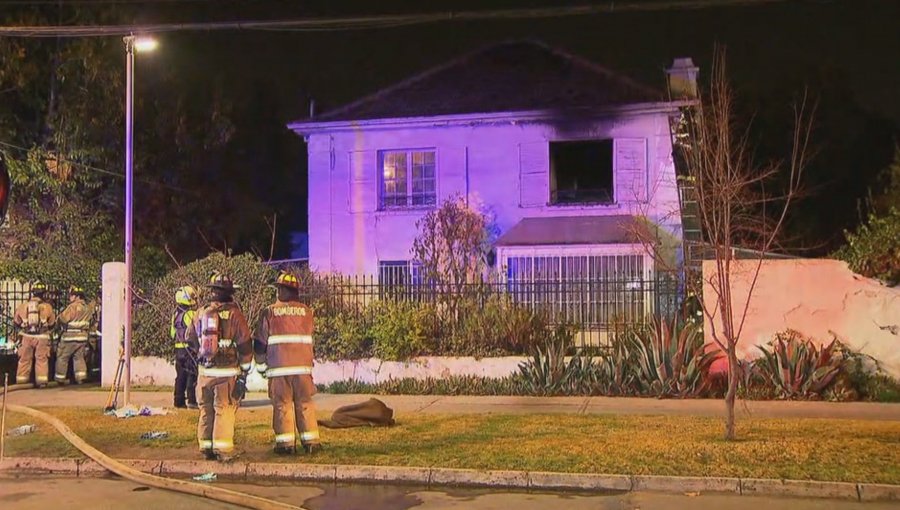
131,411
153,411
155,434
21,431
206,477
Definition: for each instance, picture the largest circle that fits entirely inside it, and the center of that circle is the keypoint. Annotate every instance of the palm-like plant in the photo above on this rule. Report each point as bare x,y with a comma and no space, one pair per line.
797,368
673,359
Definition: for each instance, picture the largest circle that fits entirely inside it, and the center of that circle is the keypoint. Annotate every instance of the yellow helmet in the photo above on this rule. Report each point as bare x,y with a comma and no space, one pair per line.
38,288
186,296
286,279
75,289
221,281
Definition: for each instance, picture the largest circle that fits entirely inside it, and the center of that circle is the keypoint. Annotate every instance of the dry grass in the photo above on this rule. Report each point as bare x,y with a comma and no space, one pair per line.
816,449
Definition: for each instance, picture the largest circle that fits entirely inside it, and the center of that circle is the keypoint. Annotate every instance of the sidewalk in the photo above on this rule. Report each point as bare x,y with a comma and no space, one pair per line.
70,397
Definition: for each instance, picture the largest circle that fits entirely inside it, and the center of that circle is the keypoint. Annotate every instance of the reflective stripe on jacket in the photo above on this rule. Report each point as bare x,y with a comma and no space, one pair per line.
284,340
76,321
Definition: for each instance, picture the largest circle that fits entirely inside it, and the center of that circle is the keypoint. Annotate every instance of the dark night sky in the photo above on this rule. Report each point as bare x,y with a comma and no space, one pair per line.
852,46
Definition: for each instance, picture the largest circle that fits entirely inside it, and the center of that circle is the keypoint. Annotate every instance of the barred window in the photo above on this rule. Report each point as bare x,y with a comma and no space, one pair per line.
587,289
399,279
407,178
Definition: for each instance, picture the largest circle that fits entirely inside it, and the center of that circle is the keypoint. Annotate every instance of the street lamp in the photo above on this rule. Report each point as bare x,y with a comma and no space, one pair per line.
132,44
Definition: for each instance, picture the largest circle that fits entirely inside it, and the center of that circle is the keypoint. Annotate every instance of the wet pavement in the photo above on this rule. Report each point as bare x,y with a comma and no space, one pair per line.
40,493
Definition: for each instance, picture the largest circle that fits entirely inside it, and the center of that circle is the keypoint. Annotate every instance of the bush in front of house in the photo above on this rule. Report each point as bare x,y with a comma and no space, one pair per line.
401,330
154,311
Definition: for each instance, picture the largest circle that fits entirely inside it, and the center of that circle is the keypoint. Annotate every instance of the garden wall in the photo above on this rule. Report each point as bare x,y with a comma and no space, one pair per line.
815,297
147,370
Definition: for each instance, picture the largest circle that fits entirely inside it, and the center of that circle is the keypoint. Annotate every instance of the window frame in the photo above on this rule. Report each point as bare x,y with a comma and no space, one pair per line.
429,198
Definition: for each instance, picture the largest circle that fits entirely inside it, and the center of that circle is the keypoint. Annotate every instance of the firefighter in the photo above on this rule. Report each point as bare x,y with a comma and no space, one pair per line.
283,344
185,354
225,354
36,318
76,323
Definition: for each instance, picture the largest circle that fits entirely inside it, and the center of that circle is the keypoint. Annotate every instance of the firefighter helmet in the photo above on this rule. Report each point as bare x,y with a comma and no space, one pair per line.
186,296
288,280
76,290
38,288
221,281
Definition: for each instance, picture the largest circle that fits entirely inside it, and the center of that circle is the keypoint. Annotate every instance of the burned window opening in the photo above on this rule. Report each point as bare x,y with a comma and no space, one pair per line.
581,172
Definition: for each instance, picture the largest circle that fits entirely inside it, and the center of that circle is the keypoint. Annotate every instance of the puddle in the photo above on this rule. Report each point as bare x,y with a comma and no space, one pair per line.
364,497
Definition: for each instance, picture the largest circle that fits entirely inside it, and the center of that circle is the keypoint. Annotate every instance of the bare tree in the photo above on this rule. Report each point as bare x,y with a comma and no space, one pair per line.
452,247
741,207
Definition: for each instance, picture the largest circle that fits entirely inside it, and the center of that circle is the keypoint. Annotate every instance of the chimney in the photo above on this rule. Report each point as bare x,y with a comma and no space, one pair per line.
682,79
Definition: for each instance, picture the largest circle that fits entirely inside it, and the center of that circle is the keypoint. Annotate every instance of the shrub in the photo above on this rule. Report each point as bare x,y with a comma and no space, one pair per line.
796,368
152,315
495,326
400,329
548,372
874,249
672,359
342,336
453,385
864,379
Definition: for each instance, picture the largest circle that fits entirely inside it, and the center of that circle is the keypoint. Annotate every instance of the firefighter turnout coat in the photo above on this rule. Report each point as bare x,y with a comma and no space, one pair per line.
36,318
218,377
283,345
76,322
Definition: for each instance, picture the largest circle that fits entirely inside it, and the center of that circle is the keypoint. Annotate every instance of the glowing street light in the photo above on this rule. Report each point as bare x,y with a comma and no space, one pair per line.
143,44
132,44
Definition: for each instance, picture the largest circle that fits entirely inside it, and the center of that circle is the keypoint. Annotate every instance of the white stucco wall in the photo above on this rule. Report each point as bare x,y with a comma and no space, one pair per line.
503,165
159,372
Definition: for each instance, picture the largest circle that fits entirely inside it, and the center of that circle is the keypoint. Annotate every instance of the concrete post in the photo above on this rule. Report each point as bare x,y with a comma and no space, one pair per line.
113,321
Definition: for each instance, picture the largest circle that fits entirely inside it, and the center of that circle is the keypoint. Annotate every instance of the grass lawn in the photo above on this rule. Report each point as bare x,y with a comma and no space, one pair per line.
816,449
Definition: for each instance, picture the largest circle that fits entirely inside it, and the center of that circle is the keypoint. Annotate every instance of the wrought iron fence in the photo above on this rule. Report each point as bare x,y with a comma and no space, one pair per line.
12,294
595,308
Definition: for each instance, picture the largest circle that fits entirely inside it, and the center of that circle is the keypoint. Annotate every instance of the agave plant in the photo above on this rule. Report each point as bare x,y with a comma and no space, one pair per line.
617,367
797,368
672,358
548,372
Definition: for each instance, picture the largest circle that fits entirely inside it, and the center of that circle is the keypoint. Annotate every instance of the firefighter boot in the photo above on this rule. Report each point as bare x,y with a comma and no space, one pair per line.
284,450
312,448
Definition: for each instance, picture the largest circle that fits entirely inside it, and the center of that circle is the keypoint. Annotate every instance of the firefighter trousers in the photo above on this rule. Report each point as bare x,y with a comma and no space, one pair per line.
293,409
185,378
217,411
34,349
74,350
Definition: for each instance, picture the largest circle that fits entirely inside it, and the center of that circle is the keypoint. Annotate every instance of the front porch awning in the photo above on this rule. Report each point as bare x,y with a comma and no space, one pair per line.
575,230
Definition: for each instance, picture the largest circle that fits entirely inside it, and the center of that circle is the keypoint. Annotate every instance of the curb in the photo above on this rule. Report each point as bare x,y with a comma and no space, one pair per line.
530,480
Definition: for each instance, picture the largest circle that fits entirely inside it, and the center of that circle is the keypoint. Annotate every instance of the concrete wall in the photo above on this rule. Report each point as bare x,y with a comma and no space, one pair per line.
815,297
113,319
504,166
157,371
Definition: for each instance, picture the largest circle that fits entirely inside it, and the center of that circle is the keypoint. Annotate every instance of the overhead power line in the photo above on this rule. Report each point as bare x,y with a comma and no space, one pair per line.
103,171
380,21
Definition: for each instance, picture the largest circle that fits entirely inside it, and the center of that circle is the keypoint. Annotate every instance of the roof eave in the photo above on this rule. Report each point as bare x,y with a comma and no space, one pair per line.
308,127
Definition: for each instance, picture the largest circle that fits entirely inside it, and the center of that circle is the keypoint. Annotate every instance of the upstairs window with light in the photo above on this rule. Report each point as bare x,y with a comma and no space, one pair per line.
407,178
581,172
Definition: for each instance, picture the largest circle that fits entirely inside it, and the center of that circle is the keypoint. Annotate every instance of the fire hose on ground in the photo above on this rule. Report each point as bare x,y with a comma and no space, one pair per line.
134,475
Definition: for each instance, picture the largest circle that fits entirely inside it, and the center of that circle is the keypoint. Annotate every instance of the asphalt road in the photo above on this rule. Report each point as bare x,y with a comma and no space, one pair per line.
40,493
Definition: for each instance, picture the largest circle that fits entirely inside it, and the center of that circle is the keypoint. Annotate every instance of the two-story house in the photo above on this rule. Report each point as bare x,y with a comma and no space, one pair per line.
565,153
